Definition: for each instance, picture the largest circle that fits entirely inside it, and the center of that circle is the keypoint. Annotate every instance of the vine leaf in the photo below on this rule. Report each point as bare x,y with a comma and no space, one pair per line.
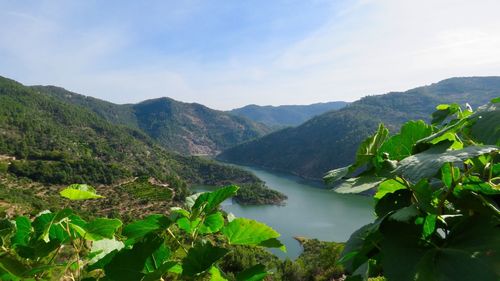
23,231
128,264
388,186
141,228
103,247
401,145
102,228
210,201
470,253
426,164
369,147
201,258
212,223
80,192
243,231
358,185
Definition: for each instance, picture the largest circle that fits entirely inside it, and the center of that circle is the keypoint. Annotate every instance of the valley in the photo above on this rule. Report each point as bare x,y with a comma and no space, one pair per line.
311,211
147,161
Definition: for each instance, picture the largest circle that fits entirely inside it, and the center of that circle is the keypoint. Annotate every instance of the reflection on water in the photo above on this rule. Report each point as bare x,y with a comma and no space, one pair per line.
310,211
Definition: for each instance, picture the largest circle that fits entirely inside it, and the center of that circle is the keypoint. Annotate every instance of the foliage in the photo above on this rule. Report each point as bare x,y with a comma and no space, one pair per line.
145,188
187,128
187,244
437,195
317,262
53,136
330,140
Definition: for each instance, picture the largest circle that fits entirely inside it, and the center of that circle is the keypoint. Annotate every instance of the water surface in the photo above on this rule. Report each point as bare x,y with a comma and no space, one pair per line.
311,211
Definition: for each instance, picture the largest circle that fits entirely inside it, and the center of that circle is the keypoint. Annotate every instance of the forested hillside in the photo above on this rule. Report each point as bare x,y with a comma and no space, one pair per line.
187,128
57,142
193,128
286,115
330,140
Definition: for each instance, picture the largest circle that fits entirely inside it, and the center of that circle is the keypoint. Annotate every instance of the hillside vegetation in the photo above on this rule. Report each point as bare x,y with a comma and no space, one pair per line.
52,142
330,140
285,115
187,128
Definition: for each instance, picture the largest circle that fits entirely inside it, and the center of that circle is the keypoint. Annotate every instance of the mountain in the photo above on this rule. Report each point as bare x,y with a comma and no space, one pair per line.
187,128
193,128
52,141
330,140
285,115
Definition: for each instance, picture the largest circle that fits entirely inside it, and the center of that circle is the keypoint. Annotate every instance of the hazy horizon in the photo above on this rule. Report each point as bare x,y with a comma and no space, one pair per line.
227,55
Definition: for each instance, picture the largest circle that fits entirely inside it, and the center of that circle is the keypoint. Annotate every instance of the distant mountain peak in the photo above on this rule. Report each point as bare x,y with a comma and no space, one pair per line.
285,115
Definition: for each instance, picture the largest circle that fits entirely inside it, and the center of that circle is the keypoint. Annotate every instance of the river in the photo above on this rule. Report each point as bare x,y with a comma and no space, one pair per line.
311,211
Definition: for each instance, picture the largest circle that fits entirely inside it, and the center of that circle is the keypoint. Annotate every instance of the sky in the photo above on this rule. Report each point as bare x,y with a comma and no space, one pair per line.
227,54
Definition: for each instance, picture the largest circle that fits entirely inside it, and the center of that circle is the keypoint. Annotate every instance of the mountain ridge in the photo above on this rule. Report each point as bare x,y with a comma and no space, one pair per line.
187,128
330,140
285,115
58,142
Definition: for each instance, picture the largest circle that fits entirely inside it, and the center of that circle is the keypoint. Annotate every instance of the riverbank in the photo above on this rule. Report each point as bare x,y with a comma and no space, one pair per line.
310,211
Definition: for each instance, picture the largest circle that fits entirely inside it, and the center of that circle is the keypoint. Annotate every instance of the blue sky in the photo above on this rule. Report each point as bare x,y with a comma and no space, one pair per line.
227,54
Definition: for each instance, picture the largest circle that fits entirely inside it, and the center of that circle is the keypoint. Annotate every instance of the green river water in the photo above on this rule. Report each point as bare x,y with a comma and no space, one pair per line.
311,211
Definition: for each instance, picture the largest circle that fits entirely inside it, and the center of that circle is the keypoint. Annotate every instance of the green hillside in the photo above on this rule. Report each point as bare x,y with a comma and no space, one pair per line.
285,115
330,140
187,128
54,142
193,128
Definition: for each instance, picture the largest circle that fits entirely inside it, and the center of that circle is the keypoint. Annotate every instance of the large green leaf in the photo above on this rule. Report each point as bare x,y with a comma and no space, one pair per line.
243,231
23,231
443,111
188,225
201,258
401,145
388,186
212,223
358,185
102,228
369,148
151,223
445,134
157,258
49,226
485,128
210,201
393,201
429,225
128,264
166,267
79,192
475,183
449,174
471,252
103,247
335,175
428,163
